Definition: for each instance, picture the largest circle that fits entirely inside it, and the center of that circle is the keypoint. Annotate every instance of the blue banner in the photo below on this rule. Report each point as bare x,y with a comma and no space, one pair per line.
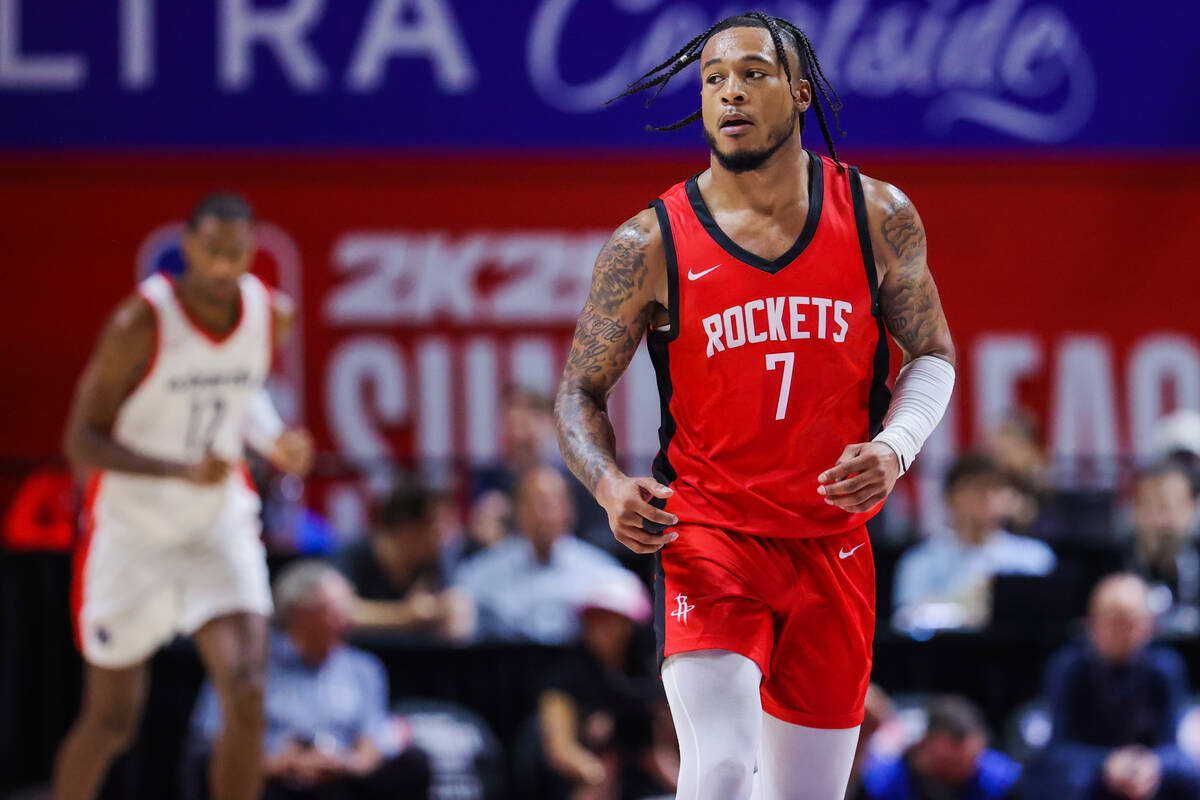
531,75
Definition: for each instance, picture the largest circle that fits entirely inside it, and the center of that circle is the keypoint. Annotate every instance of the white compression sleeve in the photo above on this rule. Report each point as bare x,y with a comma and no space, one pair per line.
717,710
799,763
922,392
262,424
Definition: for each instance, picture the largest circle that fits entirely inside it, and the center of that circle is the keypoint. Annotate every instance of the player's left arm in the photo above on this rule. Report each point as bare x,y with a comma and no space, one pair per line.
289,451
912,311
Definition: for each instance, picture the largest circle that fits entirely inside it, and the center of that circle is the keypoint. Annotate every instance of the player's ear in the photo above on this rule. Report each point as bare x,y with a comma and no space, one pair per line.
802,95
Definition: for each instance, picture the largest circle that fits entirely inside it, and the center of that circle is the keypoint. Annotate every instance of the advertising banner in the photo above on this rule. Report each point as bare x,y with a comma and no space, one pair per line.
426,287
533,75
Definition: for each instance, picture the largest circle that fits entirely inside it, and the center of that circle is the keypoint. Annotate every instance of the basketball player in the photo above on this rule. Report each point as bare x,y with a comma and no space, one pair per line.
172,392
766,285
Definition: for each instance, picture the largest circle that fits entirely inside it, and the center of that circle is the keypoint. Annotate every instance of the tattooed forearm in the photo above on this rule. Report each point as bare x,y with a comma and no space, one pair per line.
908,296
606,336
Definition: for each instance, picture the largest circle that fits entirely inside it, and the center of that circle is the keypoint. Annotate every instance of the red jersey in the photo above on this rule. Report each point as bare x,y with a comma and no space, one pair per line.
768,368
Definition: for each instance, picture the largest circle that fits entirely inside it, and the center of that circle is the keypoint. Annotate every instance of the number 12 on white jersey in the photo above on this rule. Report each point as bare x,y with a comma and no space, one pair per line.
787,359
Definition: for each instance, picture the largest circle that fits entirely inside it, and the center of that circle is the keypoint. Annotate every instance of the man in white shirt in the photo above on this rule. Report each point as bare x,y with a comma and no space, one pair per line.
945,581
529,587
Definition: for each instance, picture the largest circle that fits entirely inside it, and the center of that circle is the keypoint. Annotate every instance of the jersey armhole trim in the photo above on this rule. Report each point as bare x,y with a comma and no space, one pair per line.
158,337
864,237
664,224
880,397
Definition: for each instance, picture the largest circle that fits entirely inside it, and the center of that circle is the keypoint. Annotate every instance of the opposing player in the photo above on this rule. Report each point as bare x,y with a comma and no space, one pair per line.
766,286
171,394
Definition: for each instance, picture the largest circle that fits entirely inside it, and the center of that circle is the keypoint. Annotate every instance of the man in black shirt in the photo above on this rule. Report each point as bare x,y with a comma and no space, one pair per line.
396,571
1116,702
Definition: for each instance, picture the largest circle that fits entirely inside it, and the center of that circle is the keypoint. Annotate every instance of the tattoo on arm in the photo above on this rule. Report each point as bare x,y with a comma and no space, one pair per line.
908,296
606,336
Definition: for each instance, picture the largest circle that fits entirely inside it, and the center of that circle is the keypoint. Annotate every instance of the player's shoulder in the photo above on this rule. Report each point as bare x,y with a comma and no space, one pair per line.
133,318
897,232
636,243
641,231
130,334
883,198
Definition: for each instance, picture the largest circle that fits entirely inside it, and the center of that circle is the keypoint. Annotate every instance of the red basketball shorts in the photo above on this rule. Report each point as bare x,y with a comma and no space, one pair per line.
802,609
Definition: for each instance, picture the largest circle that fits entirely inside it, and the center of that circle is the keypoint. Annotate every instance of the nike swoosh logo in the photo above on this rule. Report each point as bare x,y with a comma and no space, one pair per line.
845,554
694,275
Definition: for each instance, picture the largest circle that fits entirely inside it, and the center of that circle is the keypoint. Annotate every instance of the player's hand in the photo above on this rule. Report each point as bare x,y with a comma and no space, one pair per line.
293,452
627,502
862,477
586,769
1119,771
1134,772
212,469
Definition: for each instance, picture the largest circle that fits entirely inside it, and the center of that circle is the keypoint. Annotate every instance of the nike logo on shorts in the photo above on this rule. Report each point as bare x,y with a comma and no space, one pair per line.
847,553
694,275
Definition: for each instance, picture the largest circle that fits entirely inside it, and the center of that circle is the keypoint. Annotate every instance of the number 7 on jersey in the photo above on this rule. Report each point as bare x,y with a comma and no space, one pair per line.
785,388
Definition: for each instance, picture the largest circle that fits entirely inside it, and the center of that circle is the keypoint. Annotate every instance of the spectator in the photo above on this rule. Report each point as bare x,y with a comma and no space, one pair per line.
527,440
950,762
946,581
328,731
529,587
1162,549
877,709
397,570
1176,438
603,721
1115,703
1014,446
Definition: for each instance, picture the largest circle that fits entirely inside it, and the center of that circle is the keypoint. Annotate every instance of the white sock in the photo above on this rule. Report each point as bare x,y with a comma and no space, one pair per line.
717,709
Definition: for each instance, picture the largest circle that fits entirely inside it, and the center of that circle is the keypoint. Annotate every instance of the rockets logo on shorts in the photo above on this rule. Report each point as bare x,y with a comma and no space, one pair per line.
682,608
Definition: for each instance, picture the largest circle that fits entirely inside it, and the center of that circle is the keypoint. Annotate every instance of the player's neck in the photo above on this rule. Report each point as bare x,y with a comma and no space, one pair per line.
216,318
780,183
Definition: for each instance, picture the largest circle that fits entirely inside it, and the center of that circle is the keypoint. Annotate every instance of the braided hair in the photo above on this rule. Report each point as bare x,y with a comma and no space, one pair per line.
777,27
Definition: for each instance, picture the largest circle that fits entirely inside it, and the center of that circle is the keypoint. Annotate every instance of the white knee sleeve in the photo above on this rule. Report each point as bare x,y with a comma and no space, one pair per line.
715,702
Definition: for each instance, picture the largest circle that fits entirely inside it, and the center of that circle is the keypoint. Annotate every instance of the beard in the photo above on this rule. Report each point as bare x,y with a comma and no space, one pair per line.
747,160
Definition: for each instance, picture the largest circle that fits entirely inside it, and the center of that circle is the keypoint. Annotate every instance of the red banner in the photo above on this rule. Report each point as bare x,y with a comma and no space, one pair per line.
425,286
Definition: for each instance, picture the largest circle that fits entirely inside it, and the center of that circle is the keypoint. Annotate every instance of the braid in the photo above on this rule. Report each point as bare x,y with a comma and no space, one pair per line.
674,126
816,76
810,69
661,74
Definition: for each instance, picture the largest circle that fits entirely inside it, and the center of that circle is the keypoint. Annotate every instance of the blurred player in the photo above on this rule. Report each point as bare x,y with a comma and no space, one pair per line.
765,284
172,392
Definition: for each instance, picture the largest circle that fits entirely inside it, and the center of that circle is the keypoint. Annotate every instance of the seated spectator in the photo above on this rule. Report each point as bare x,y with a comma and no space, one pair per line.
527,440
529,587
396,569
602,714
1014,446
1176,438
328,732
1163,549
877,709
945,581
950,762
1115,703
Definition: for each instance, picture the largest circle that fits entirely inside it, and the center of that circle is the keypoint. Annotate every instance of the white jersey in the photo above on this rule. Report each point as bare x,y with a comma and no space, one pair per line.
193,398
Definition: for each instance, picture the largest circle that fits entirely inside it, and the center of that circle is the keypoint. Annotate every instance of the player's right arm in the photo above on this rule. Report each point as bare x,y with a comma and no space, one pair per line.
628,291
121,358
